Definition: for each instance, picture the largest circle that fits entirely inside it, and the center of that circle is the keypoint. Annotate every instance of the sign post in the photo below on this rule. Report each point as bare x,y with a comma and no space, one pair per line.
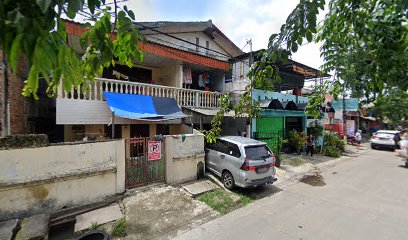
154,150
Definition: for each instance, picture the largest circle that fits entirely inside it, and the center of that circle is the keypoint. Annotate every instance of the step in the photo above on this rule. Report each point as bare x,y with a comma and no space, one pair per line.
8,228
34,228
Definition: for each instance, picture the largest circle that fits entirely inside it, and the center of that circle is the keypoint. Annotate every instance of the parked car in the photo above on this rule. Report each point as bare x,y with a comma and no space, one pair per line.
241,161
383,139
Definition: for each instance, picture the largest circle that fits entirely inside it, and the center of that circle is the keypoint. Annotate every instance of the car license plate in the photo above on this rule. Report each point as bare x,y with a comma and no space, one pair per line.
262,170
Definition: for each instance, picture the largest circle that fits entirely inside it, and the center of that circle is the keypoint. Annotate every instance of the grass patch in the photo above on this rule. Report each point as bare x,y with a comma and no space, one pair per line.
94,226
294,162
224,202
119,228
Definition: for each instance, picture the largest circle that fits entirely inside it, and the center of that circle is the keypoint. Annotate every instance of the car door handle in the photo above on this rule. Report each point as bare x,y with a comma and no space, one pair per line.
222,156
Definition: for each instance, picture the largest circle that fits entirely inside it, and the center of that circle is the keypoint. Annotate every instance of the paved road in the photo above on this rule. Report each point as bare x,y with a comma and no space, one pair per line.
364,198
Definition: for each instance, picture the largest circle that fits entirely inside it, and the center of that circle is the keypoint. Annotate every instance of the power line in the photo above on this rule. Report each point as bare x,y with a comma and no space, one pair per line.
180,39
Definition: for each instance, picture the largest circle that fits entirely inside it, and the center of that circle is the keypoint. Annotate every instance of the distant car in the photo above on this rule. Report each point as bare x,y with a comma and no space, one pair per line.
240,161
383,139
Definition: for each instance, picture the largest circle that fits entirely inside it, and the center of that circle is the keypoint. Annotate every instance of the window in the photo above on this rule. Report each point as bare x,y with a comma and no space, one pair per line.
219,146
197,43
207,45
257,152
233,150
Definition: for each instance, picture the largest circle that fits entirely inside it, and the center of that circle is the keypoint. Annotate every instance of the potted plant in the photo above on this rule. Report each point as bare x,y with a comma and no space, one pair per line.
297,140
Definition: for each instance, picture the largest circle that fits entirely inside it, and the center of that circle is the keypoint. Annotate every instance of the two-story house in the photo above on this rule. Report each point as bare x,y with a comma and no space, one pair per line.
184,61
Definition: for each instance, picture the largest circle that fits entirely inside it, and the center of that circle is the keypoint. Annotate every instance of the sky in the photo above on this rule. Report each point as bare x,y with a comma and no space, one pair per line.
239,20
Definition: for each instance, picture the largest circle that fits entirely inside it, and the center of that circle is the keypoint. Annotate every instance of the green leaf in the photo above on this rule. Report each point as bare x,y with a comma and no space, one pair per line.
294,47
14,52
309,36
300,40
44,5
131,14
92,4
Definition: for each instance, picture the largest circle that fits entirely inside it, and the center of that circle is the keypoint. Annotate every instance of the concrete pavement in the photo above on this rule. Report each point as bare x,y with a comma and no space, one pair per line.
365,197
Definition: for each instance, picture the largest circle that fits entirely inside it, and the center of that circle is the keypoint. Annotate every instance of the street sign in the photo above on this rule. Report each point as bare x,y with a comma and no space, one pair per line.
154,150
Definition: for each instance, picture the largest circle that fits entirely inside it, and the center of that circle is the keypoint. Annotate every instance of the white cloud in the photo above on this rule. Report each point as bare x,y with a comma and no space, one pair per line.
240,20
144,10
257,20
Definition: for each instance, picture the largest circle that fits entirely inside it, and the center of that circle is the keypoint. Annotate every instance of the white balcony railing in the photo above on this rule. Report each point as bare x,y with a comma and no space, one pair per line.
184,97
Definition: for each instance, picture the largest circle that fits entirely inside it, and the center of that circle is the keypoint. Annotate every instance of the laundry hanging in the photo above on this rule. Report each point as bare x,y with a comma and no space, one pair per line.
187,79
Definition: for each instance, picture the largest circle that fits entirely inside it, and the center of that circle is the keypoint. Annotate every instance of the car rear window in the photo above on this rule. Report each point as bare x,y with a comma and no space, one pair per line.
257,152
385,135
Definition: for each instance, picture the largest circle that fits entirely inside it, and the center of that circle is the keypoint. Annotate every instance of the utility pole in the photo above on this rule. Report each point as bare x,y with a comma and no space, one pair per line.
249,126
5,121
344,113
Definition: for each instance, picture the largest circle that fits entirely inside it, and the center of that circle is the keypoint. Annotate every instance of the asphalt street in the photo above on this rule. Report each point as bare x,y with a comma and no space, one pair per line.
365,197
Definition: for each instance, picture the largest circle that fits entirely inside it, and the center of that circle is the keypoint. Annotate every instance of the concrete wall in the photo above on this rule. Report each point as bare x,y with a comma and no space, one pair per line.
176,129
183,154
260,95
171,75
47,179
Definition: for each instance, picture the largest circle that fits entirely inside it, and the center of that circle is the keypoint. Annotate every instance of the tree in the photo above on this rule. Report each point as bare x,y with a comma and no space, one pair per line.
392,106
35,30
365,43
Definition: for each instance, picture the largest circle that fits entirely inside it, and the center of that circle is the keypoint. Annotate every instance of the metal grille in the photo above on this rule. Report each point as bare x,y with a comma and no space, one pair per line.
273,139
139,170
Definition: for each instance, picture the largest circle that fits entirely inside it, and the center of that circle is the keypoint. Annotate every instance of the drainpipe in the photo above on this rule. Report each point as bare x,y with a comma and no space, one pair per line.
113,125
5,124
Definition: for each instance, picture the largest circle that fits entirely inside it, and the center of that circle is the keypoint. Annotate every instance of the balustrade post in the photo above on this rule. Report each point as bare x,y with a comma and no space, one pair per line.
60,90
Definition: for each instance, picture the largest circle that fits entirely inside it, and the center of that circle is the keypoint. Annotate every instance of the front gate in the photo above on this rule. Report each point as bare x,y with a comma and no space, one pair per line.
140,170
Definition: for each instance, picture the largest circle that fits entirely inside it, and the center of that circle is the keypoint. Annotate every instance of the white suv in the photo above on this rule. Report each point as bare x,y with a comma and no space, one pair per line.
383,139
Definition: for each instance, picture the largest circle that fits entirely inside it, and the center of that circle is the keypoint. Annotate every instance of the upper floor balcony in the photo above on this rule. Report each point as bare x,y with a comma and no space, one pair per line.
184,97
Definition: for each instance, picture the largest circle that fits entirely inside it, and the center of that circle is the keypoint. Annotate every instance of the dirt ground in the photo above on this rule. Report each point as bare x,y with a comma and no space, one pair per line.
163,212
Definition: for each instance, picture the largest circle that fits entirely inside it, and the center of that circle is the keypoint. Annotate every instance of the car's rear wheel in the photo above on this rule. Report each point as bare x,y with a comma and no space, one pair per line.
373,146
228,180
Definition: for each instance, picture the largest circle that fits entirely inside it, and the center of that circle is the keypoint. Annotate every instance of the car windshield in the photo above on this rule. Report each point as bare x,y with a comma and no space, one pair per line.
257,152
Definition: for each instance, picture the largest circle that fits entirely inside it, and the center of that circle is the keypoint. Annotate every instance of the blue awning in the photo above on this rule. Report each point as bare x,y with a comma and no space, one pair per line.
143,107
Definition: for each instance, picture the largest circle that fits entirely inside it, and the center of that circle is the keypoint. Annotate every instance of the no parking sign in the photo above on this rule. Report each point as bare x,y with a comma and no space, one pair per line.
154,152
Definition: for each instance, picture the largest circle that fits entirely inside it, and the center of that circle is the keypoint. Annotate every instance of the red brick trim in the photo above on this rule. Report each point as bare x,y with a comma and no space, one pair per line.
77,29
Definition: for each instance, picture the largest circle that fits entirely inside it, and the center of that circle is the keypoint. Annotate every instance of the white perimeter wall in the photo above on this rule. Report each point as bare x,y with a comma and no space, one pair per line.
182,154
46,179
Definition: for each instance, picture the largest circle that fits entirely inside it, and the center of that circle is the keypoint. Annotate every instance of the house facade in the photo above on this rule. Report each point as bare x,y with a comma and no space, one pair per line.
184,61
281,110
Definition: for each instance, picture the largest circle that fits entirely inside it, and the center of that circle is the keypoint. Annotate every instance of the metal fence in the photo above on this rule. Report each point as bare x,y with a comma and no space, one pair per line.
139,169
273,139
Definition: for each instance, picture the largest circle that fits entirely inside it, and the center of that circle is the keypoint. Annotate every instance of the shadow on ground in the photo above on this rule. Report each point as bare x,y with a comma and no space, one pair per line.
258,192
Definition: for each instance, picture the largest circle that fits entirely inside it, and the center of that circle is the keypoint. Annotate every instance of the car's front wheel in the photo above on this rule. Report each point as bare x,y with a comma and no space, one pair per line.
228,180
373,146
